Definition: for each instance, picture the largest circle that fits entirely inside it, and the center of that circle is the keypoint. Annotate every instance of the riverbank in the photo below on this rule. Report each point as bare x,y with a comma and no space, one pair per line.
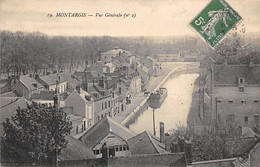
168,70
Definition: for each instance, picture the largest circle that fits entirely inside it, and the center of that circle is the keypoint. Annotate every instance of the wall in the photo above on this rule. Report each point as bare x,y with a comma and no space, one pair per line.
238,108
22,90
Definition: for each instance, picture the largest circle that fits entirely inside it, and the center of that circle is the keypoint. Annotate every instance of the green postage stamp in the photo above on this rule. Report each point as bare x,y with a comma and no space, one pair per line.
215,21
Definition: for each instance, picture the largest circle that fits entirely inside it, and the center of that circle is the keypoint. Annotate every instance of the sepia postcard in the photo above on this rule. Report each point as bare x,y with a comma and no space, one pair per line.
130,83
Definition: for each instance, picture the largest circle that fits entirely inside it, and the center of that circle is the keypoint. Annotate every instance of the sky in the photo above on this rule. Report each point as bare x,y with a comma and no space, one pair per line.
153,17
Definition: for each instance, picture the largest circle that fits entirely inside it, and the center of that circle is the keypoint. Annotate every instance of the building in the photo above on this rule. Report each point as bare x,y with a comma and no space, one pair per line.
150,160
23,86
80,105
53,81
168,57
43,96
236,93
231,93
110,132
75,150
145,143
8,107
149,62
106,57
143,73
109,68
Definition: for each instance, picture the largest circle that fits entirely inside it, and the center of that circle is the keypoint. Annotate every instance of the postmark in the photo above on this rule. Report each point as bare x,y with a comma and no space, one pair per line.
215,21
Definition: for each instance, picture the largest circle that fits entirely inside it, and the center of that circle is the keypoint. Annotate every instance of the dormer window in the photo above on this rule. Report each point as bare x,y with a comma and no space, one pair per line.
241,80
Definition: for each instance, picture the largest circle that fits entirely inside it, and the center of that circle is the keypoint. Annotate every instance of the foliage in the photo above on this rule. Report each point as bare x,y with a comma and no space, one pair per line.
206,145
36,133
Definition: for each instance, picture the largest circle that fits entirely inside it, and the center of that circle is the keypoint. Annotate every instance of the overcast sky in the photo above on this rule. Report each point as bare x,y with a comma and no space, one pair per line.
153,18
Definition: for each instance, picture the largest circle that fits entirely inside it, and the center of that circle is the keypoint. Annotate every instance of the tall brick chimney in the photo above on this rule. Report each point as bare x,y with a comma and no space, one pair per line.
162,137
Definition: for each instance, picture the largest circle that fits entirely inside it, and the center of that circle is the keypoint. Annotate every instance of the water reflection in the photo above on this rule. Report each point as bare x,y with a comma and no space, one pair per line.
175,108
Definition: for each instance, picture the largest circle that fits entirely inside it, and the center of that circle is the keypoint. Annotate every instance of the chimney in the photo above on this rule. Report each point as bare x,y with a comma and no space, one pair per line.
59,78
167,141
162,137
56,100
78,88
93,82
104,151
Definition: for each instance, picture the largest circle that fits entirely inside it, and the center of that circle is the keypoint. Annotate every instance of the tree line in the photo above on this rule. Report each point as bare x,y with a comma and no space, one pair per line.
22,53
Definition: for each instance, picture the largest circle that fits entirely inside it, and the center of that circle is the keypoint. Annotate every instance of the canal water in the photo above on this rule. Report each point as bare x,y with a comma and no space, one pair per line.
173,111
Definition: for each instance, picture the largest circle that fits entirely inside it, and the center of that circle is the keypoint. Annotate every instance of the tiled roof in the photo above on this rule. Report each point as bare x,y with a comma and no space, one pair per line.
43,95
30,82
228,74
9,106
143,143
101,129
75,150
52,78
73,82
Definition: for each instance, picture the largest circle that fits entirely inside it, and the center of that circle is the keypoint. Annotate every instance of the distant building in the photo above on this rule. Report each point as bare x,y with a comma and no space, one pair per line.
109,68
53,81
106,57
168,57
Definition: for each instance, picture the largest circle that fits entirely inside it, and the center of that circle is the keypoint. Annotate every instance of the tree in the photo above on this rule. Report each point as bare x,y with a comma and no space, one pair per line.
35,134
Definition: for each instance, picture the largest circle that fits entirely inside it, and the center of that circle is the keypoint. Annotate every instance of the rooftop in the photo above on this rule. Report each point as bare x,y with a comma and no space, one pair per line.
75,150
144,143
30,82
228,74
103,128
53,78
43,95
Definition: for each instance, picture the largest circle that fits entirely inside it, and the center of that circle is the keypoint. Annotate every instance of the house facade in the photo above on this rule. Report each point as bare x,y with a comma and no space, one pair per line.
82,105
232,93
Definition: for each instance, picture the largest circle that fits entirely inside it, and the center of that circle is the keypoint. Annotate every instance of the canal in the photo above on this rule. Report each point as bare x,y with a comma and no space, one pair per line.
173,111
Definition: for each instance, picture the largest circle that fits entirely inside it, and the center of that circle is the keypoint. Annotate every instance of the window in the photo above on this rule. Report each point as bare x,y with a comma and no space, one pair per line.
102,106
108,103
97,151
105,105
120,91
120,148
241,89
243,101
246,119
256,100
241,80
230,101
98,118
124,148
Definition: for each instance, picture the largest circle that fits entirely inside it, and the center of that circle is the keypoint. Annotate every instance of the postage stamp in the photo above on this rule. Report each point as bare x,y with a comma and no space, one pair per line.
215,21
